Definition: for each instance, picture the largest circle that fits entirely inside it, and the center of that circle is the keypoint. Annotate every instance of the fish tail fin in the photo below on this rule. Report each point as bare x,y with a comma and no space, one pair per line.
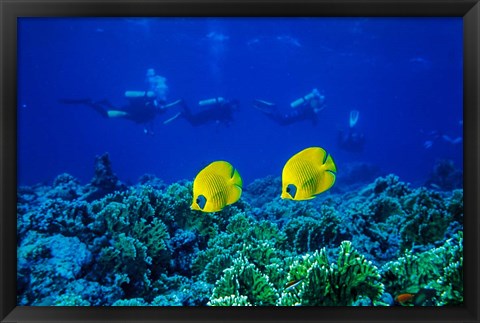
330,164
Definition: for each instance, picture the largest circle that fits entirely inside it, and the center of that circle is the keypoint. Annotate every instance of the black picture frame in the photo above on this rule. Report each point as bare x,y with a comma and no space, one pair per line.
10,10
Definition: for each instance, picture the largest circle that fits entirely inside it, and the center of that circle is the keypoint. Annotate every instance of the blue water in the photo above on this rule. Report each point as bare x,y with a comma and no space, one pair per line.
404,75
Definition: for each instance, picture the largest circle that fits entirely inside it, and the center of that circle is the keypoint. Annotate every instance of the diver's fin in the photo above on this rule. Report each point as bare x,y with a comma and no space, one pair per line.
172,118
97,106
172,104
263,105
354,114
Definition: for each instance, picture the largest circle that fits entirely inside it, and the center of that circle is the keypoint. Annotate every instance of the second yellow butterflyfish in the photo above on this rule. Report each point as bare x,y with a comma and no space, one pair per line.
307,174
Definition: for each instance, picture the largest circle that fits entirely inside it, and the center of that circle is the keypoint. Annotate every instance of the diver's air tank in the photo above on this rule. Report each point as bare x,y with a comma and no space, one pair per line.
138,94
116,114
211,101
304,99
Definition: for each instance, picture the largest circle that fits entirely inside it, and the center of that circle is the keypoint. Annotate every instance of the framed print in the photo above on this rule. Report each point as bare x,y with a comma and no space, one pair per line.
227,161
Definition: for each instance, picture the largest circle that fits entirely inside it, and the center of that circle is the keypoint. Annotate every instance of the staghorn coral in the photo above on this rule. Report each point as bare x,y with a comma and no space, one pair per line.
320,283
231,300
326,284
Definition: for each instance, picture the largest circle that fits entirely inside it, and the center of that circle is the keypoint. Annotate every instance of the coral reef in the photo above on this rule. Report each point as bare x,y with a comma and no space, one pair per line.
106,243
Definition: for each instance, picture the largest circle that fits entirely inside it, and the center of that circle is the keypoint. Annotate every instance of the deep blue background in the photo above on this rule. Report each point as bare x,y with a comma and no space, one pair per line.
404,75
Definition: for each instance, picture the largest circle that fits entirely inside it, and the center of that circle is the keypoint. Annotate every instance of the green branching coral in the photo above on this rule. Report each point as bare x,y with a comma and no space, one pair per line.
333,284
153,236
450,283
410,272
439,268
244,280
427,218
134,239
231,300
320,228
259,241
127,255
455,206
210,263
174,205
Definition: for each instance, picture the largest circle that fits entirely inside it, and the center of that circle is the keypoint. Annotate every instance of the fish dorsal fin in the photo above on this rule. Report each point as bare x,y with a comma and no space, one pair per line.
324,165
313,154
221,167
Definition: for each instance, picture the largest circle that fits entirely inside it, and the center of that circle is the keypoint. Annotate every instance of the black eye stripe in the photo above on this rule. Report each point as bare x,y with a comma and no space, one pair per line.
201,201
292,190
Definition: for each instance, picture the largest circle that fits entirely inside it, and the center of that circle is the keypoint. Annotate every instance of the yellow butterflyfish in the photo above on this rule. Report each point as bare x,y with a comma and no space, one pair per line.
217,185
307,174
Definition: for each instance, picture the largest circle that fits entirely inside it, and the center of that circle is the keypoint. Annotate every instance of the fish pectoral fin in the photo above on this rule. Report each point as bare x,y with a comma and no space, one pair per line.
328,179
234,194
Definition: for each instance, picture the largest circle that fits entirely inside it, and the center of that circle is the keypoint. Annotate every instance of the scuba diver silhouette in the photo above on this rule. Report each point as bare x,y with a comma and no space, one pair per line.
142,106
217,110
352,140
304,108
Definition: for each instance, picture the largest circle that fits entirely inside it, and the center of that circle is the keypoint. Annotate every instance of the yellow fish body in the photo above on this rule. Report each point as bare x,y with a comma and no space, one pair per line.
307,174
215,186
